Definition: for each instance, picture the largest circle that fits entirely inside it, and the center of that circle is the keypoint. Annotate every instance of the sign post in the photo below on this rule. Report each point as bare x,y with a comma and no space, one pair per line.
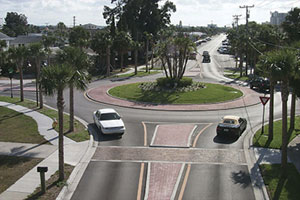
264,101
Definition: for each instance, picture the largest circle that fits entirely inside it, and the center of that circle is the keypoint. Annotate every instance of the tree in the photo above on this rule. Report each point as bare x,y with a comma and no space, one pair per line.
291,25
101,43
55,79
79,37
61,34
174,51
77,61
37,52
148,37
18,55
122,43
48,41
15,24
284,64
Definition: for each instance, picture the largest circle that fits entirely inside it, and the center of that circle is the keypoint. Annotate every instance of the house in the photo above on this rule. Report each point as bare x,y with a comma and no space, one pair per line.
25,40
7,39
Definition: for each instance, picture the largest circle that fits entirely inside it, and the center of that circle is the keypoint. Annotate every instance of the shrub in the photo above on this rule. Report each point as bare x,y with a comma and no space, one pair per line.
171,83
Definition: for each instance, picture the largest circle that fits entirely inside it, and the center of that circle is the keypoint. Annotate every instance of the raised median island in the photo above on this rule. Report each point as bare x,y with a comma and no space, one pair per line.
197,93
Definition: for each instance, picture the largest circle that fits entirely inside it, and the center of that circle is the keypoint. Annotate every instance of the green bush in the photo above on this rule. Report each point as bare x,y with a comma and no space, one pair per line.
170,83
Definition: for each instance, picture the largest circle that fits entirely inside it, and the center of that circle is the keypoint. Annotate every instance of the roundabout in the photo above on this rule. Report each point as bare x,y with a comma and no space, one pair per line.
101,94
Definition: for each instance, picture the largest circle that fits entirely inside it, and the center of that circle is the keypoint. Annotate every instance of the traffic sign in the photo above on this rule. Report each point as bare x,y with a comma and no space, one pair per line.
264,100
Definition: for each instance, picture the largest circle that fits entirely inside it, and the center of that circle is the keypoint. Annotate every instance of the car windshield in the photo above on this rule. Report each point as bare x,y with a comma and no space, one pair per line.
109,116
228,121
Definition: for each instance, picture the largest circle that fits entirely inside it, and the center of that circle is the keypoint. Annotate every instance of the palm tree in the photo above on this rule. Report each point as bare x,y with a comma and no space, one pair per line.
101,43
54,79
36,51
148,37
285,63
79,37
18,55
122,43
78,62
48,41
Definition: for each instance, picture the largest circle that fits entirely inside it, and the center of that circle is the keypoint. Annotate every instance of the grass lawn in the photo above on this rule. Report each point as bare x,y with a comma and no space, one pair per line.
281,188
13,168
236,76
53,186
211,94
17,127
139,74
79,134
261,140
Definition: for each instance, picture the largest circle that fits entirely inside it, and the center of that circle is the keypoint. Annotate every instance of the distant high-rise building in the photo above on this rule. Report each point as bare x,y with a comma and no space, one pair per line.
277,18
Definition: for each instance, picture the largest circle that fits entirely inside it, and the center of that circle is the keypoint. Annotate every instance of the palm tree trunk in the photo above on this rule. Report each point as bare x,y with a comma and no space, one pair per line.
122,61
21,81
38,69
271,110
284,98
60,106
293,111
108,61
71,126
147,47
135,61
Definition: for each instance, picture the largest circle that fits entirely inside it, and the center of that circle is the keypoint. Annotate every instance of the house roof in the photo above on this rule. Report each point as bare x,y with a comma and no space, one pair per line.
3,36
27,39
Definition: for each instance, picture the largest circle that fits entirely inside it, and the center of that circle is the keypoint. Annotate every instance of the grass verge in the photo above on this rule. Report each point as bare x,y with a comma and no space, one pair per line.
53,186
13,168
17,127
237,77
278,187
79,134
213,93
261,140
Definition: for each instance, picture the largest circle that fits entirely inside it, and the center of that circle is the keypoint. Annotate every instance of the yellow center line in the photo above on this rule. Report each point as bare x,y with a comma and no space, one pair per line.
139,192
187,173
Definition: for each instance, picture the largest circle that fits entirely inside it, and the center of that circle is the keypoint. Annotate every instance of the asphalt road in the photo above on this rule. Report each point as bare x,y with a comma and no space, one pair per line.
109,176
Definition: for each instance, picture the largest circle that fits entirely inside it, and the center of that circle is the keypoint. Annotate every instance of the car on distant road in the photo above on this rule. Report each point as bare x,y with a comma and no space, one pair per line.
260,83
232,126
109,121
206,57
193,55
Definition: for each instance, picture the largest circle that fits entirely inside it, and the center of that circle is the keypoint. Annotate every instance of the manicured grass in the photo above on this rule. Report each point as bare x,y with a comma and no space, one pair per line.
17,127
139,74
80,133
211,94
13,168
53,186
261,140
278,187
236,76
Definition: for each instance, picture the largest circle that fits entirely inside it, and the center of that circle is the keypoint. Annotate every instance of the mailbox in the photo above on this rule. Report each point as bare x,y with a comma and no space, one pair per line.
42,169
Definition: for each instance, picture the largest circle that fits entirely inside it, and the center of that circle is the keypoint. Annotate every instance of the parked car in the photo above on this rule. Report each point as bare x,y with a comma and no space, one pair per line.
231,126
193,55
206,57
109,121
223,50
260,83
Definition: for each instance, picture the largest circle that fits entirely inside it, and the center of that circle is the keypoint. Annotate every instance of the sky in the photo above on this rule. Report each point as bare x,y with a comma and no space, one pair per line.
190,12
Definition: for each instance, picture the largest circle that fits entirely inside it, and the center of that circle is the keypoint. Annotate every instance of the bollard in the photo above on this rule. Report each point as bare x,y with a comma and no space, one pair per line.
42,171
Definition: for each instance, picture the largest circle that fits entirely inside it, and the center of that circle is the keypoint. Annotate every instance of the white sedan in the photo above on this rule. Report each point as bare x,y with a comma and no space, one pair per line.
109,121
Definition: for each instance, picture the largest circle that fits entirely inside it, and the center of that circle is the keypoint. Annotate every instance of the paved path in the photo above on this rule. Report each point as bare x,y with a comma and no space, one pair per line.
74,154
44,123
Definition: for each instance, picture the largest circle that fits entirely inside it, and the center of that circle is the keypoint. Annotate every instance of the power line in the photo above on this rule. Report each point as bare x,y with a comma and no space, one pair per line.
275,45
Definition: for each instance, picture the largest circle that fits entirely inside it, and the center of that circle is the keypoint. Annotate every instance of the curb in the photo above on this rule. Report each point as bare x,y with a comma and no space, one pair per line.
74,178
146,108
257,182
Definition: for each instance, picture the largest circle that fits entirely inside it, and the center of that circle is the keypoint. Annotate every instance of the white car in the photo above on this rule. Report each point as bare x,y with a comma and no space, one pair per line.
109,121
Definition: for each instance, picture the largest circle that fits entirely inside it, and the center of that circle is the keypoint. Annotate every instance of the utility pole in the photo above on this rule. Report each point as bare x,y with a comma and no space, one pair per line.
247,34
74,20
236,18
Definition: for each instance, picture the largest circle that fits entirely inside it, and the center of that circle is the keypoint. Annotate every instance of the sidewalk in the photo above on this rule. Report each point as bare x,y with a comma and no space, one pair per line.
74,153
